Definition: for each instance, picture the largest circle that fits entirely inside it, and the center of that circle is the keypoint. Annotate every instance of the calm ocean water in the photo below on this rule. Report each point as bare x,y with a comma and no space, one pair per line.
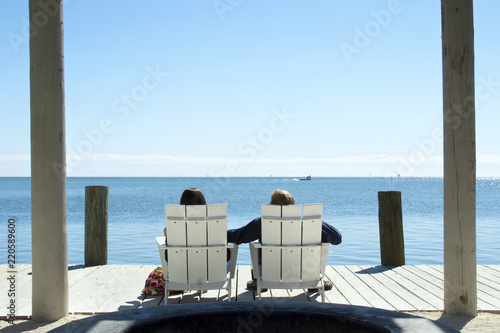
136,214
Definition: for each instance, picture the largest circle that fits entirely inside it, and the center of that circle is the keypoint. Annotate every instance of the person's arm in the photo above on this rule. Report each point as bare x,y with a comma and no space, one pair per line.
246,234
330,234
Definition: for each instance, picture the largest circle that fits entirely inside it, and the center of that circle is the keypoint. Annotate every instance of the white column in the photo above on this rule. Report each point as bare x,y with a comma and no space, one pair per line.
48,159
460,290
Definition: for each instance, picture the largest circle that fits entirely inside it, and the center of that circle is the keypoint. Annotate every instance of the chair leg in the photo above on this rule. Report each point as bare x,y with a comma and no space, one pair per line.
258,288
322,291
165,296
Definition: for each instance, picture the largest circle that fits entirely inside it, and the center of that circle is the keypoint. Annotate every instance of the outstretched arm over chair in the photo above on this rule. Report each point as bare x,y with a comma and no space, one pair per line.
330,234
246,234
252,232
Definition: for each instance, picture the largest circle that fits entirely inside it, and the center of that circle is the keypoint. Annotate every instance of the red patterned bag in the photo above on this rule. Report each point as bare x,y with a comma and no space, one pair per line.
155,283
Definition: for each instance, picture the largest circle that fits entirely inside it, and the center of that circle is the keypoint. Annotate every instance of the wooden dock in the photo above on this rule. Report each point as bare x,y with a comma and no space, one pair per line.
109,288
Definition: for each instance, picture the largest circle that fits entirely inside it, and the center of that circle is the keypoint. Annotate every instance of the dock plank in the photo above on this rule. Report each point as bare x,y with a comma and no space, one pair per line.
316,297
233,289
265,296
280,294
133,295
4,269
24,290
80,279
190,297
91,291
484,275
363,285
244,274
428,274
417,289
298,295
422,279
174,299
211,296
487,296
398,294
150,300
334,295
386,289
124,293
430,269
352,295
493,270
118,287
223,295
19,271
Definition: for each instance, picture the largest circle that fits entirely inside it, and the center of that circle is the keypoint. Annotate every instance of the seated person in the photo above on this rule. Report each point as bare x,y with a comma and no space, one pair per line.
190,196
252,231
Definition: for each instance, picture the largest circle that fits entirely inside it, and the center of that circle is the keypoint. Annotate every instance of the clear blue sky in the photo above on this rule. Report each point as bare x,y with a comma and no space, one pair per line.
250,88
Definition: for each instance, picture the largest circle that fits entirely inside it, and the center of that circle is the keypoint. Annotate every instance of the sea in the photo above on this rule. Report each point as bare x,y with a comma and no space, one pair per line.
136,214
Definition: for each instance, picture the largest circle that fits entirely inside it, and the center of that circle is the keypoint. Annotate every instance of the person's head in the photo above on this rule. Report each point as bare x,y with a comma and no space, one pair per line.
192,196
282,197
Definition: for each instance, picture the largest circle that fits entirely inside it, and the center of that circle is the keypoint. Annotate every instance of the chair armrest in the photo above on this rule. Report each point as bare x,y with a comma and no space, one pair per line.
280,247
160,241
254,255
176,247
324,256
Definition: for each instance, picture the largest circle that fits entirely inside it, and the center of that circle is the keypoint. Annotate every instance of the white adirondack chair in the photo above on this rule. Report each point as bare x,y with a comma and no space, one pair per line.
197,249
292,253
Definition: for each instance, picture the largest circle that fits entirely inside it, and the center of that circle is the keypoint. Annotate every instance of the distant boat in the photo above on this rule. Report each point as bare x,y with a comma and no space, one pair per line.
306,178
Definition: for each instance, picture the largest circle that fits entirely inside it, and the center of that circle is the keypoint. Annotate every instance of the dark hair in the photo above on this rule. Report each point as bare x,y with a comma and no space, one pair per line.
192,196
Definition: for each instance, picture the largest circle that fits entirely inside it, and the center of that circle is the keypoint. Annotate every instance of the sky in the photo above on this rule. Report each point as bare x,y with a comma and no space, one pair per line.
250,88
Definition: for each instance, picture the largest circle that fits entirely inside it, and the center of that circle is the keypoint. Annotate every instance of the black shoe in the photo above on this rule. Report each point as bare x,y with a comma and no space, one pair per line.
252,285
327,284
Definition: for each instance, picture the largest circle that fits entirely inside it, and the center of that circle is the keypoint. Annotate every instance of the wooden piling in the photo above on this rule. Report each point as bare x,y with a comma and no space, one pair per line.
48,162
459,158
96,225
390,214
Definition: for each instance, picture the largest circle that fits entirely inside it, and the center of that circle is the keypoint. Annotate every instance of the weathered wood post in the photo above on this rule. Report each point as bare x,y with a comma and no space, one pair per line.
390,216
48,162
96,225
459,148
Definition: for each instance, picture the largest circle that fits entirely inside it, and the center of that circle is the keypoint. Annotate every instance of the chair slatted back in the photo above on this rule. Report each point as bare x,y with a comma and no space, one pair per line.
291,242
196,230
217,236
312,219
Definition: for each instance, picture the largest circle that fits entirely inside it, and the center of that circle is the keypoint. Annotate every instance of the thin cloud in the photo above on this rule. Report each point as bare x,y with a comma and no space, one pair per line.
14,157
181,159
482,158
488,159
